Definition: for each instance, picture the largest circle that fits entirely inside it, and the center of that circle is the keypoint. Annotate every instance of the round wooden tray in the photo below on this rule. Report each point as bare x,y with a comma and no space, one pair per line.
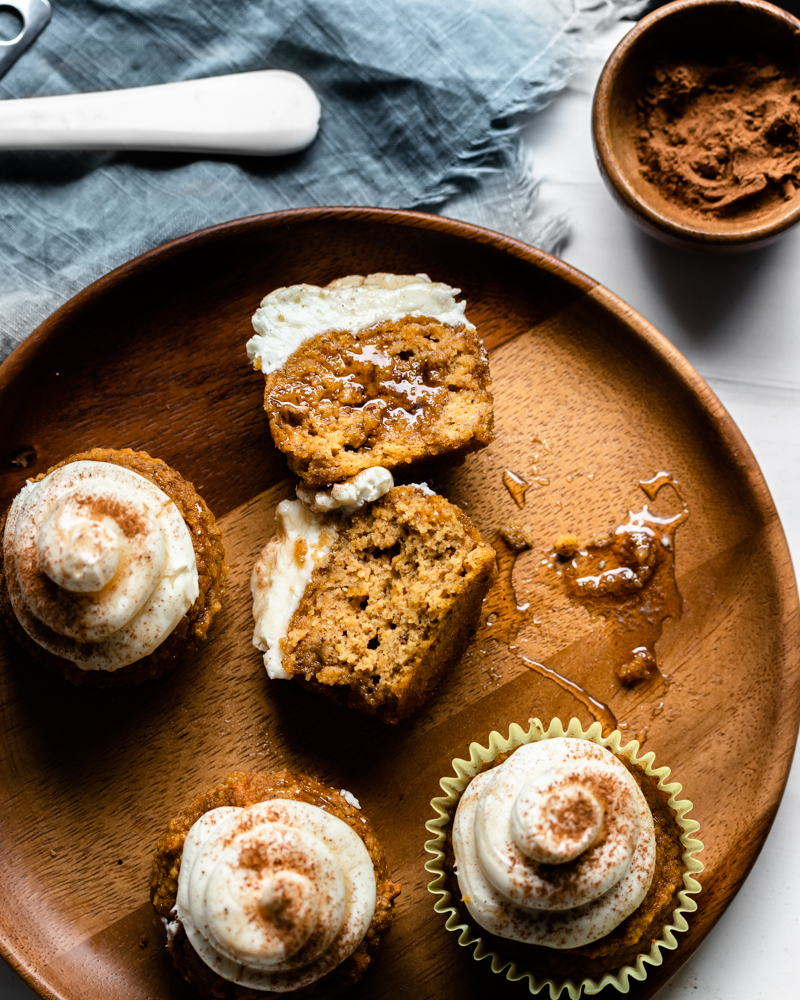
589,401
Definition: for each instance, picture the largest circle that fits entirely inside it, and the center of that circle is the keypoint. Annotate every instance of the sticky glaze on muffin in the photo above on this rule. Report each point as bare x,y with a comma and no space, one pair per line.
112,567
383,370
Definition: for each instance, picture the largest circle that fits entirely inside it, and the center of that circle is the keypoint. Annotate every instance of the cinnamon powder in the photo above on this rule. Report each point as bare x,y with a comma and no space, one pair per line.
720,140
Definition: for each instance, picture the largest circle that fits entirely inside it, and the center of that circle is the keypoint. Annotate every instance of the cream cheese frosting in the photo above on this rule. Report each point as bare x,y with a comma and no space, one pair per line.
289,316
100,565
348,496
555,846
275,895
281,574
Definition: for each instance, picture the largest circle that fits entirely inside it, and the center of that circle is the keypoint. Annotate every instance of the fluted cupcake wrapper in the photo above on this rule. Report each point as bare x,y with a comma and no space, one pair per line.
469,935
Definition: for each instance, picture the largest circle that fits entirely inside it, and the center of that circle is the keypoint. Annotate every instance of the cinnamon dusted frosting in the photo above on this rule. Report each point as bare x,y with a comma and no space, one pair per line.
288,316
275,895
555,846
100,565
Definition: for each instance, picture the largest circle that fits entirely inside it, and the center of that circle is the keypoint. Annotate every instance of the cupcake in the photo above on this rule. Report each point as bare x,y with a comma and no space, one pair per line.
382,370
112,567
564,857
371,603
271,883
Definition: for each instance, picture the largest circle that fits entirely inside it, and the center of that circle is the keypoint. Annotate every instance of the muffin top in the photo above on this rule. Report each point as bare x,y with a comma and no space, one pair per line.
274,895
99,562
555,846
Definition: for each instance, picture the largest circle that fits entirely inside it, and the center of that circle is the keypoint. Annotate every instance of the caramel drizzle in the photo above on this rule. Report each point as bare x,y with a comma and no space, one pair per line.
602,713
639,587
516,486
505,616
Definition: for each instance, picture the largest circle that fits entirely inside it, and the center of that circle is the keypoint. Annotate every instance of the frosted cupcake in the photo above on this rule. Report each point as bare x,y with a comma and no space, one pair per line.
271,884
564,857
370,602
382,370
112,567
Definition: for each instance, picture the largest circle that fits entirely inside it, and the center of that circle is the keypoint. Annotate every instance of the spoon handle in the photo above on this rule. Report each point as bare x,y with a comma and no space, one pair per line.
263,113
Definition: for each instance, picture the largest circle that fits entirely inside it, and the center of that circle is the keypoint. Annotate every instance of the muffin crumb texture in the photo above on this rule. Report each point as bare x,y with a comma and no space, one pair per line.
393,607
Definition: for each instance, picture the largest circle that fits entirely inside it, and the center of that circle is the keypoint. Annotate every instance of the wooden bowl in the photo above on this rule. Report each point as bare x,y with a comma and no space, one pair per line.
707,31
589,401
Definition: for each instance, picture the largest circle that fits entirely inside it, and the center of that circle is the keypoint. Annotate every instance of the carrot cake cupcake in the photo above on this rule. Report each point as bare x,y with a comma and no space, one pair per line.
372,604
382,370
111,568
271,883
568,858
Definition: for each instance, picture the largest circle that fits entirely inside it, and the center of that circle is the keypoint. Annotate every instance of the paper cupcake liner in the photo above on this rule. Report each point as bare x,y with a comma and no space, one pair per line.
469,936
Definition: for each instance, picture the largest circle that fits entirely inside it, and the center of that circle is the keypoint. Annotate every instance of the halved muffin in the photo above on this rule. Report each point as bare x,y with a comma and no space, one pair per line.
383,370
377,605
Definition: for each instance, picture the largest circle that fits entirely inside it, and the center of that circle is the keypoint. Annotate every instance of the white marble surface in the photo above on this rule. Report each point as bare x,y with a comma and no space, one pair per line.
737,319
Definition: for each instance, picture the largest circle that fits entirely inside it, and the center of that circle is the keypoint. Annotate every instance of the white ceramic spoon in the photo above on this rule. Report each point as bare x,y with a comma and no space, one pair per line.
263,113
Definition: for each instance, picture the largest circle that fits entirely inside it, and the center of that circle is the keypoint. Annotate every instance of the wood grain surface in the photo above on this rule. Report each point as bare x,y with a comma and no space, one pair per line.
589,401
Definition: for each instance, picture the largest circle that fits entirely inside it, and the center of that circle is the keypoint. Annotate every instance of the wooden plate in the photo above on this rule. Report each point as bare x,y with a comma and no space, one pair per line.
590,400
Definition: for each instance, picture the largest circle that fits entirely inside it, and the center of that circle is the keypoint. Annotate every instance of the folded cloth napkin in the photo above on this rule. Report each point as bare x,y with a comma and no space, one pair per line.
416,99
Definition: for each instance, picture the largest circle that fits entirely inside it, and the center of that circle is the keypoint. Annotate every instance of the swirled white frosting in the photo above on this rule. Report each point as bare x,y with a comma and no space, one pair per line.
555,846
288,316
275,895
99,563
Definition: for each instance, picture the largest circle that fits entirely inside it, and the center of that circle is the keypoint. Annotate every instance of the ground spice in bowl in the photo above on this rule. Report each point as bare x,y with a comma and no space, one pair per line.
720,140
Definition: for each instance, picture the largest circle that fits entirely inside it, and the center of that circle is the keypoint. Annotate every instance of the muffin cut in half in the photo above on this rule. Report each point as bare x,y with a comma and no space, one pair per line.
111,568
382,370
270,884
371,608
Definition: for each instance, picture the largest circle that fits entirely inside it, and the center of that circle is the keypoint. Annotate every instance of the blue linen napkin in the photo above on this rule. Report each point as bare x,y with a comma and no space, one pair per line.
416,99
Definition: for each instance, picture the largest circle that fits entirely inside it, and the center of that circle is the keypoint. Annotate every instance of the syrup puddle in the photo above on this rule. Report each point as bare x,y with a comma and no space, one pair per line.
627,577
516,486
504,618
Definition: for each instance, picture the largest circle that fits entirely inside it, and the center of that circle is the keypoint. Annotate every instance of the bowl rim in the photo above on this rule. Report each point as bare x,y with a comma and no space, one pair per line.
615,176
